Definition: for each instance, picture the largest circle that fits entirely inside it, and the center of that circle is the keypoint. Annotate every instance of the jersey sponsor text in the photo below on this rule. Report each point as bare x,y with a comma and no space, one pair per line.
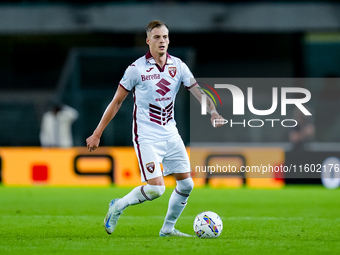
150,77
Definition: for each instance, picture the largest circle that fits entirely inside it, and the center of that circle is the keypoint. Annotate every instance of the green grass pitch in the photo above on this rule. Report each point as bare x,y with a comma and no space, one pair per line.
52,220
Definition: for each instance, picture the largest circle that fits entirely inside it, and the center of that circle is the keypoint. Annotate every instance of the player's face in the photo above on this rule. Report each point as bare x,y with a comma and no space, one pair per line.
158,40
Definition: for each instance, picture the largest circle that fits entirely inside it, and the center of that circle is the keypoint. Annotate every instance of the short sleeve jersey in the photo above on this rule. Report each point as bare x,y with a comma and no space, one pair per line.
154,92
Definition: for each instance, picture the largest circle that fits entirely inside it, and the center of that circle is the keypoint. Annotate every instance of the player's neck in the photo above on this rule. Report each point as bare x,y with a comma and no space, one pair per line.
160,59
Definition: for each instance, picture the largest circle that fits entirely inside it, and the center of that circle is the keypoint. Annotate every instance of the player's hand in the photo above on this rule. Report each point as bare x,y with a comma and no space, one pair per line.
92,142
217,120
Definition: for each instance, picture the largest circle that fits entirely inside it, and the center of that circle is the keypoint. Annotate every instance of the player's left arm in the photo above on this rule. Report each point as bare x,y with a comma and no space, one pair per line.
110,112
198,92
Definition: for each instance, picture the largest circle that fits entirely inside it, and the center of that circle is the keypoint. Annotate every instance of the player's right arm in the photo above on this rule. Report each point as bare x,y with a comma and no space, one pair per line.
92,142
191,84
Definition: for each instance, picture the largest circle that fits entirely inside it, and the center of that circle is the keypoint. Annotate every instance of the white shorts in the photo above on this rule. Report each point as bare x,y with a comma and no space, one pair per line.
171,153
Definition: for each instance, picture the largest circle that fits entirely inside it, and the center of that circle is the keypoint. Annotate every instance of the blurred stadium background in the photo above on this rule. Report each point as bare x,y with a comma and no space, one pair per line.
77,51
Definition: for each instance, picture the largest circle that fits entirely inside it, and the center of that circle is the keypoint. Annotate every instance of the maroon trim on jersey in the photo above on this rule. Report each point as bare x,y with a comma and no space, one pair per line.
169,106
156,112
139,155
161,69
156,121
148,57
135,116
191,86
159,115
167,121
155,107
124,87
155,116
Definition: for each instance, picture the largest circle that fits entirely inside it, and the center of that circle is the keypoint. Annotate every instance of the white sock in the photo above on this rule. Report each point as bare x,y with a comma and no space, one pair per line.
178,201
139,195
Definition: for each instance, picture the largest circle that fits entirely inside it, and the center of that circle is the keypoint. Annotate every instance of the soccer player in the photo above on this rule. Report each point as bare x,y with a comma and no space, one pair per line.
154,80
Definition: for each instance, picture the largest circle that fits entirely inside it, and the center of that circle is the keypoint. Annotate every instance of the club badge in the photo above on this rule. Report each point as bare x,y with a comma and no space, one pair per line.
172,71
150,167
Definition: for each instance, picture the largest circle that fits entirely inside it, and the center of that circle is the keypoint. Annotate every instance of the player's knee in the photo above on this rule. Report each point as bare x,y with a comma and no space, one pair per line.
185,186
154,191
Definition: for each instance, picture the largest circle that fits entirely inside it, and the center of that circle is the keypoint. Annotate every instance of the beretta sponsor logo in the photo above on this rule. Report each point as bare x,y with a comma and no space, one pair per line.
150,77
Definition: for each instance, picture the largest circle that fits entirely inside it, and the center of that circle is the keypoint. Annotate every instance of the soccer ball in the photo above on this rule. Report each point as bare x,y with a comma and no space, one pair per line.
208,225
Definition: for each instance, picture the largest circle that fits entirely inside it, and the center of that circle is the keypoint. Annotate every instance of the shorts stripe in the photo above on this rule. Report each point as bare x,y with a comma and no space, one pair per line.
141,162
143,193
180,193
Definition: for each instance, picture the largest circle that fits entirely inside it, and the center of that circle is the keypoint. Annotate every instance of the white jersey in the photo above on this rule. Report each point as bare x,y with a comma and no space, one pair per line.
154,92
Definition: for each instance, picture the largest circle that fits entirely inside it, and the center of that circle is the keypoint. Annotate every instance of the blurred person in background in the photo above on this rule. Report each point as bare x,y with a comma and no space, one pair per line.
303,132
56,126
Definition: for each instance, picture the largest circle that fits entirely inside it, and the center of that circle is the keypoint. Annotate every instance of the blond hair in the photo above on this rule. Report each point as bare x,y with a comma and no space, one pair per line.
153,24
